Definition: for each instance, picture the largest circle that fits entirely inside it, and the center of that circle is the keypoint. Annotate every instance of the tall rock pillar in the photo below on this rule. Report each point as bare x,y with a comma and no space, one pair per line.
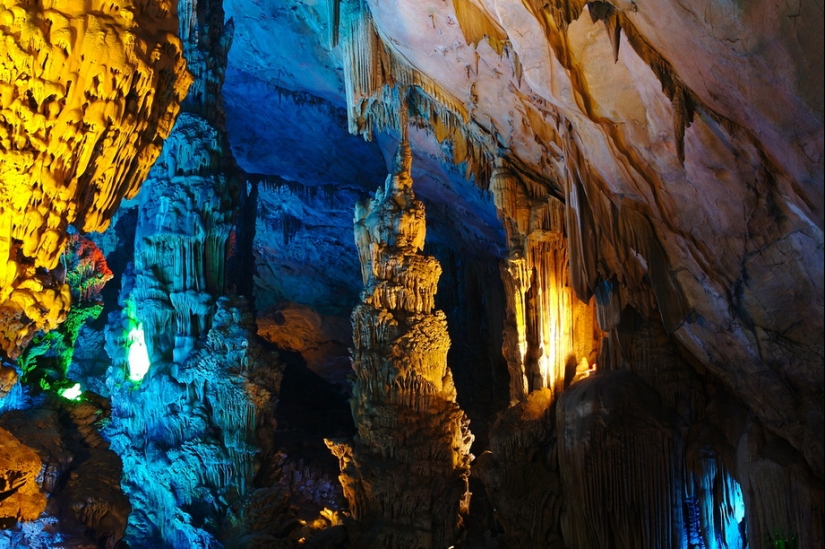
193,421
405,473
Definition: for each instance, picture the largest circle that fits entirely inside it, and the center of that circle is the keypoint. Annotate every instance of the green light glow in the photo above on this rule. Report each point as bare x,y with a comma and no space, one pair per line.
138,354
71,393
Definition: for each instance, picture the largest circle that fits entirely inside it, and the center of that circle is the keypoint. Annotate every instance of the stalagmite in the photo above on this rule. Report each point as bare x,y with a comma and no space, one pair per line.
521,473
87,92
405,473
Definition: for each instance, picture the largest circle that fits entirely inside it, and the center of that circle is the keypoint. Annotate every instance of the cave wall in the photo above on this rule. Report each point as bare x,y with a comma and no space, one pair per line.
630,124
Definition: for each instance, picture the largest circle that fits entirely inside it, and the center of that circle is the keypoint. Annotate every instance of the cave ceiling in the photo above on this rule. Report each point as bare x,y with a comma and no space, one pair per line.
702,123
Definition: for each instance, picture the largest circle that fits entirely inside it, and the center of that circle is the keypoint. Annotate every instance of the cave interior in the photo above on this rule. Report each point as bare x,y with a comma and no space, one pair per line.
411,274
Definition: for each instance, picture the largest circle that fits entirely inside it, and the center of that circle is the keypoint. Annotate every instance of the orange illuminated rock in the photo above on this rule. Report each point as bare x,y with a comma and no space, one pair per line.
88,92
20,496
550,335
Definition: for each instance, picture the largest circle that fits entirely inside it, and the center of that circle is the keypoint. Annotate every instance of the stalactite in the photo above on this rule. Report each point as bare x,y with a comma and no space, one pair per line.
405,473
550,335
73,141
477,25
373,72
614,435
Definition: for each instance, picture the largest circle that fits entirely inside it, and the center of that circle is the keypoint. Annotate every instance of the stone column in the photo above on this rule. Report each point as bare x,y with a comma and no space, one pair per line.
405,473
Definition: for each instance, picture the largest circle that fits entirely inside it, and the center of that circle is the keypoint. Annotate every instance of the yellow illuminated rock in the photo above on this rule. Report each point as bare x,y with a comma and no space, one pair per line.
550,335
88,92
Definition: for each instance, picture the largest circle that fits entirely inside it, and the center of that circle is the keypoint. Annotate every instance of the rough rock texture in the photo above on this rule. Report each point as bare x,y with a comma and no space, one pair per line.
75,469
320,339
196,431
88,91
550,335
662,159
46,360
684,182
19,469
521,473
192,435
405,473
614,435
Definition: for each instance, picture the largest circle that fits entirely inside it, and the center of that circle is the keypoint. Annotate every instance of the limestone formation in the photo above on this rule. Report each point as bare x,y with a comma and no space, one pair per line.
521,473
630,123
550,335
620,465
193,435
192,389
320,339
88,91
75,470
405,473
19,469
648,176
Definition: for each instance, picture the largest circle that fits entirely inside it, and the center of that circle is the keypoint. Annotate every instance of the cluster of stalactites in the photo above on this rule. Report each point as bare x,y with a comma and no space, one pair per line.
206,37
373,74
550,335
403,397
620,464
87,93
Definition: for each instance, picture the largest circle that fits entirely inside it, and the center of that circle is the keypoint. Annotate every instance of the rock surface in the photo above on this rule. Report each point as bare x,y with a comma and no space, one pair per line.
405,473
636,130
19,467
75,470
663,163
88,91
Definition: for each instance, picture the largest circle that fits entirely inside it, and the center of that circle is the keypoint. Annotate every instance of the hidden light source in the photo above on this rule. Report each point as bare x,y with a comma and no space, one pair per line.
71,393
138,354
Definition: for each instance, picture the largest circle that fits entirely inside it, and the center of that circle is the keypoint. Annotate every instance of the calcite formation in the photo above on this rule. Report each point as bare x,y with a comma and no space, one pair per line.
47,358
88,91
194,425
614,434
521,474
193,435
405,473
550,335
657,172
22,498
687,190
75,469
320,339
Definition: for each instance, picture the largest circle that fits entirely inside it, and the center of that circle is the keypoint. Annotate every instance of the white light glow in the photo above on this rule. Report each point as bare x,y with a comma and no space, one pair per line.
138,354
71,393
